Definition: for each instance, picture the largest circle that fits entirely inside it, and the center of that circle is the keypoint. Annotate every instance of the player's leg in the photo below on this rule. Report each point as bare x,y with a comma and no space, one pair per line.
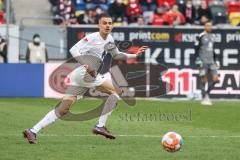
107,87
205,96
203,79
214,78
211,83
111,102
204,72
60,110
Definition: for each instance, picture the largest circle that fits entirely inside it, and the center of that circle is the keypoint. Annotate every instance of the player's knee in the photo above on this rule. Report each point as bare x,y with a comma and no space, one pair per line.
204,78
65,105
215,79
118,91
114,99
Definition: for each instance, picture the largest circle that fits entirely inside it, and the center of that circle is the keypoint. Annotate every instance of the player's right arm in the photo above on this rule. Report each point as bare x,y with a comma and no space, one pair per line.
197,45
79,48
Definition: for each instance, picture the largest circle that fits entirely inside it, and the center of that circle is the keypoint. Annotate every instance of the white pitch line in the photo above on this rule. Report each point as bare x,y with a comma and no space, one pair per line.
121,135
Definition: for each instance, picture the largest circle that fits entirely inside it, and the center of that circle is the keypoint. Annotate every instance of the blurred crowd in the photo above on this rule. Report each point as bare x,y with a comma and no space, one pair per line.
3,10
147,12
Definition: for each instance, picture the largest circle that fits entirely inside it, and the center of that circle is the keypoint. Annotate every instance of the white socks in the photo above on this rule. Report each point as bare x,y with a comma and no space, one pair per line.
48,119
110,104
51,117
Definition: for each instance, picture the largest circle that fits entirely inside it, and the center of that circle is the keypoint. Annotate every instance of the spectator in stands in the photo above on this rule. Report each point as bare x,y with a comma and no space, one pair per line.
80,5
117,10
12,19
133,10
139,22
93,4
175,17
189,12
65,10
2,20
159,17
36,51
148,5
204,13
166,3
88,18
3,50
54,6
232,6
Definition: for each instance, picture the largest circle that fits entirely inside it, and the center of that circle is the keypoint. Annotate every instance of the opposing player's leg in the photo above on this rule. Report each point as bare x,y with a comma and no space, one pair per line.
205,96
214,78
211,83
107,87
203,79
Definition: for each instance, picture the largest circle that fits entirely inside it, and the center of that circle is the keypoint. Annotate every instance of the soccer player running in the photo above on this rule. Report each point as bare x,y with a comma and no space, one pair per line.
89,52
206,59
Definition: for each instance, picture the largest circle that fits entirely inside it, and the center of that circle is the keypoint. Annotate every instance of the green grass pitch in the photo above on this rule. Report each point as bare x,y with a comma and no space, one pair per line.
208,132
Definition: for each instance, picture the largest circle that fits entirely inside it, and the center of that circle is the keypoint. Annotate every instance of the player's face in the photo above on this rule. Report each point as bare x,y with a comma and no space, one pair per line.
105,25
208,27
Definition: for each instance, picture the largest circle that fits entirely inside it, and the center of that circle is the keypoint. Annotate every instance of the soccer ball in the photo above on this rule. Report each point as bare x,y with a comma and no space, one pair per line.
172,141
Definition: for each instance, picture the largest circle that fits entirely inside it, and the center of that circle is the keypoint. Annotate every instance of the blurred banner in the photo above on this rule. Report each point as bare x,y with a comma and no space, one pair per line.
166,70
22,80
174,48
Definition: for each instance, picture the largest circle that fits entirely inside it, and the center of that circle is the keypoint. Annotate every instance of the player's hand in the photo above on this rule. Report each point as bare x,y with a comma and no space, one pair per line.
218,64
198,62
141,49
90,70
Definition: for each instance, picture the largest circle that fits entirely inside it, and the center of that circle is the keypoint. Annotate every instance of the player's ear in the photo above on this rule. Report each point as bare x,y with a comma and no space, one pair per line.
99,23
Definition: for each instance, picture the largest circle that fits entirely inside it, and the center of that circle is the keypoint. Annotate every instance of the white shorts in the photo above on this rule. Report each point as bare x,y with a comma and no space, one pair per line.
79,81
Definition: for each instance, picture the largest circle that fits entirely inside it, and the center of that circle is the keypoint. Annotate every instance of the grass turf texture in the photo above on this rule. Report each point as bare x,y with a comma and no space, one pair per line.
208,132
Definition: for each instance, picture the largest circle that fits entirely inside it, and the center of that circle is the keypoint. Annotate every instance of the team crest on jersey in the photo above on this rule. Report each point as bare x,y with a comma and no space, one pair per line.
85,39
109,46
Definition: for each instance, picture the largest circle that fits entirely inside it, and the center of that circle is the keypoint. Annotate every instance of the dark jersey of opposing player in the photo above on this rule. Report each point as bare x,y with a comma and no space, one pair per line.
204,48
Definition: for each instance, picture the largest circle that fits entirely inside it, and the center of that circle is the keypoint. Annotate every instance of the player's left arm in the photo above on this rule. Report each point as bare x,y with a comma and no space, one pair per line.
117,55
216,60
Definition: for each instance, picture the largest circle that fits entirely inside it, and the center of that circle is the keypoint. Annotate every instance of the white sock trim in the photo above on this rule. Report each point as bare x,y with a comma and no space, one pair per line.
47,120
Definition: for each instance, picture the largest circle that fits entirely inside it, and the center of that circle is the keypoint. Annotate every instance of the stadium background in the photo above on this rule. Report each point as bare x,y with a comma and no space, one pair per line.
169,44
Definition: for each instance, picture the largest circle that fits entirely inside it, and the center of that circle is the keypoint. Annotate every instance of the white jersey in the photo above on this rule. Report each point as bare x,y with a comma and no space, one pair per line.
93,44
91,51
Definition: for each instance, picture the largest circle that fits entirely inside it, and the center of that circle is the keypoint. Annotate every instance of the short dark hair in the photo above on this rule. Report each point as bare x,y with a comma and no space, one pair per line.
36,35
209,21
104,15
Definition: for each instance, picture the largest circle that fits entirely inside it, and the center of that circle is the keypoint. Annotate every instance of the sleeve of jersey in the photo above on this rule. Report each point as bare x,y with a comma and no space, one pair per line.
80,47
121,55
197,46
116,54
